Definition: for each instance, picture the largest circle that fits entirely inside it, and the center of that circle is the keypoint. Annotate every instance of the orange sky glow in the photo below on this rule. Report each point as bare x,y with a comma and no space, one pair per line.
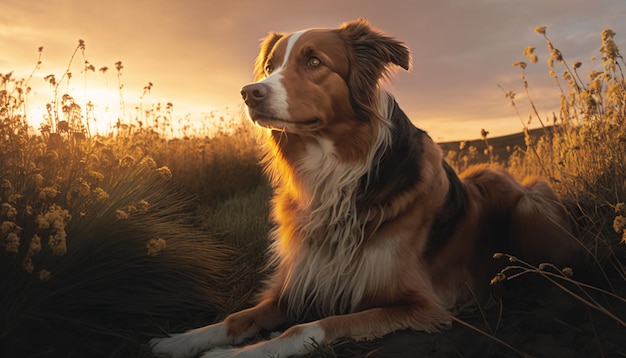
198,54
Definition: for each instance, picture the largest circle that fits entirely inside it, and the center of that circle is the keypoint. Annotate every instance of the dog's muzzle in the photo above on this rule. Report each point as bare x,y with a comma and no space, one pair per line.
254,93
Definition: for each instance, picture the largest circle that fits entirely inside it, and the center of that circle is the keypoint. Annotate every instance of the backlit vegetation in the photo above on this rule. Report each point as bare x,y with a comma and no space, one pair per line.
99,246
582,153
109,239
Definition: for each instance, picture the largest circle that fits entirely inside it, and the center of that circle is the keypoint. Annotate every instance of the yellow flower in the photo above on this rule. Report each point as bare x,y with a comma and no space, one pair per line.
44,275
27,264
84,189
126,162
121,214
7,227
497,278
35,244
48,193
101,195
529,50
12,243
540,30
155,246
149,163
37,180
33,248
619,223
165,173
58,244
568,271
142,206
5,184
96,175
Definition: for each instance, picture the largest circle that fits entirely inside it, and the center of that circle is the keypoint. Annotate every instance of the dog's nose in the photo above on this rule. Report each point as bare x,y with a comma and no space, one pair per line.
254,93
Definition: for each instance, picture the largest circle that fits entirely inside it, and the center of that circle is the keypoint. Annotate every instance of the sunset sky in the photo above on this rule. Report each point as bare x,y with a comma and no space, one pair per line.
198,53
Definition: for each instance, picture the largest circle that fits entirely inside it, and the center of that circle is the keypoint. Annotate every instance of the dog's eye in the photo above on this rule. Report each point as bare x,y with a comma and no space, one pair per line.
269,68
314,62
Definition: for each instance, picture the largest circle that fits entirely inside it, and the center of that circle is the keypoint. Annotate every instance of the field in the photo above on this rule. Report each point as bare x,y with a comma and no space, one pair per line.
109,240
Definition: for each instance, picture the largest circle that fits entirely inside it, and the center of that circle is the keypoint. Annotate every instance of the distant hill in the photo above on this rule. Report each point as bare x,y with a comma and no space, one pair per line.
502,146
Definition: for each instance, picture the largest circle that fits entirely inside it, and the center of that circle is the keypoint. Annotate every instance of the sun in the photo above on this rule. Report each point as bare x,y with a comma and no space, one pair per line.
97,108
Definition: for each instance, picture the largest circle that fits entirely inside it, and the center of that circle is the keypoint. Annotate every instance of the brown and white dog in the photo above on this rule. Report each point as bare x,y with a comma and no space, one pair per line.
374,231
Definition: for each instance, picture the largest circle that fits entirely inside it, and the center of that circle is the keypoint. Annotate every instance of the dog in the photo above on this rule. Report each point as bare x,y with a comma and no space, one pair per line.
374,231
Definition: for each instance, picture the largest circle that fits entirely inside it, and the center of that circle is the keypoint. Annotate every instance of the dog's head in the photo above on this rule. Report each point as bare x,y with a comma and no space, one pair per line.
321,80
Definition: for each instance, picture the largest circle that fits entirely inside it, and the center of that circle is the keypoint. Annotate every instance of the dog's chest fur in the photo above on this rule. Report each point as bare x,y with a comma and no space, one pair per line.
331,269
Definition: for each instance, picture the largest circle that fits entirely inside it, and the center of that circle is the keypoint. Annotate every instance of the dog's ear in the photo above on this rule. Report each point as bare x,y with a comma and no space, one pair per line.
372,55
267,45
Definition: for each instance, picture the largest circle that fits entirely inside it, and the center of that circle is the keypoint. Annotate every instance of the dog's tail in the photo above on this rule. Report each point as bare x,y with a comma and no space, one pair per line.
540,228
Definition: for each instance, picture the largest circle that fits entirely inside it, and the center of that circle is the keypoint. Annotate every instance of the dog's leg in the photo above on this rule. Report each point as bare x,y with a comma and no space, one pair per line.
235,329
369,324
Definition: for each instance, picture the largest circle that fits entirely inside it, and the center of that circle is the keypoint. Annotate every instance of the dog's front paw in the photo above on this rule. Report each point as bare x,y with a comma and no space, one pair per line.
175,346
189,344
225,352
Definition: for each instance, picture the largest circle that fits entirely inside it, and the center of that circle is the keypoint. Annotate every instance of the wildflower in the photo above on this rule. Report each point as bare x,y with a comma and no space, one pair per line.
577,64
44,275
149,163
84,189
620,208
35,244
498,255
33,248
497,278
520,64
155,246
529,52
55,219
52,155
567,271
5,184
541,30
37,180
619,223
556,54
7,227
126,162
96,175
9,211
12,243
58,244
142,206
101,195
165,173
48,193
27,264
121,214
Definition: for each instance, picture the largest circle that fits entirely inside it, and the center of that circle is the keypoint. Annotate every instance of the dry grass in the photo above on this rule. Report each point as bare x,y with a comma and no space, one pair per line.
108,240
